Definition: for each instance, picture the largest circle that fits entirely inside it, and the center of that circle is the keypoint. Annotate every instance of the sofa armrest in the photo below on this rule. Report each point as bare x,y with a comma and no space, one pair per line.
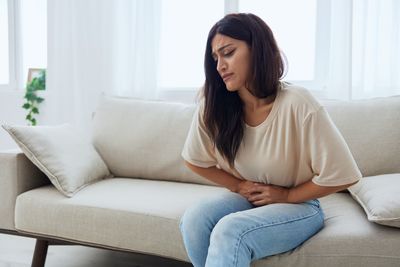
17,175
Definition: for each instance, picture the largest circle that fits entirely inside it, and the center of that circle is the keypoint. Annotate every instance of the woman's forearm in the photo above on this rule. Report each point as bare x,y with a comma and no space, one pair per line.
298,194
310,190
217,176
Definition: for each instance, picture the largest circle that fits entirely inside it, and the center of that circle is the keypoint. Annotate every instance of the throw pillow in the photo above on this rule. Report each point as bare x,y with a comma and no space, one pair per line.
380,198
63,153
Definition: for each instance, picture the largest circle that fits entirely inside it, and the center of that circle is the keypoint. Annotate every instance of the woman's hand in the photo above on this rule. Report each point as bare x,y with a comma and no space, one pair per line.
245,188
262,194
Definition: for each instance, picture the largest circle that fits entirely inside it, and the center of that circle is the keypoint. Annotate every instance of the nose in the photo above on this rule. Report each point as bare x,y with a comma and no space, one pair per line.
221,65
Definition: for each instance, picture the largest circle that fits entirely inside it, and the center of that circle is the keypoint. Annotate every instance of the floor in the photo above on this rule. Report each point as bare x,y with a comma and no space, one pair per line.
17,251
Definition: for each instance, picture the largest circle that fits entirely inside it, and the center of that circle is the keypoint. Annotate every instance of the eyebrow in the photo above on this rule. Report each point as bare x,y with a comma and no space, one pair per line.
219,49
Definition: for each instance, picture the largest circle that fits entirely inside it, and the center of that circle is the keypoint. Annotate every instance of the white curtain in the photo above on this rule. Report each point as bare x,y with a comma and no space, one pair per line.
110,47
364,49
99,47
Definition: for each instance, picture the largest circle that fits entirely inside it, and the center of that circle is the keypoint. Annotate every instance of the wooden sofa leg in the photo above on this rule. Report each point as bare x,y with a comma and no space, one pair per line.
39,256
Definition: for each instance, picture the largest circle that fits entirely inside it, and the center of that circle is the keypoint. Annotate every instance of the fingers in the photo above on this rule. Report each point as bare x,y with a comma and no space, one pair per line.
250,189
255,189
263,194
256,197
259,203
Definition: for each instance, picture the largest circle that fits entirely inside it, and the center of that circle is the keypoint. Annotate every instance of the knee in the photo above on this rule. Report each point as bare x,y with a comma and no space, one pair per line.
228,229
229,239
194,218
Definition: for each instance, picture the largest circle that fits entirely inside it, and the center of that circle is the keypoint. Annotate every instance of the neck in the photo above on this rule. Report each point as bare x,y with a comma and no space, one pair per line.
253,103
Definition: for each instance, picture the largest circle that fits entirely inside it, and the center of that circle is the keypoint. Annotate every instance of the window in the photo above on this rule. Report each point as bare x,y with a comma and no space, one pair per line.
294,31
34,35
4,44
23,35
302,36
183,38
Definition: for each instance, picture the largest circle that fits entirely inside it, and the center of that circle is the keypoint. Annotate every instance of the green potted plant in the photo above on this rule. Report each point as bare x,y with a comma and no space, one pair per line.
33,86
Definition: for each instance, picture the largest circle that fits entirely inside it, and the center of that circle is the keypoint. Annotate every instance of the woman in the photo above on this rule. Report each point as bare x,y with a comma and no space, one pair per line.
270,143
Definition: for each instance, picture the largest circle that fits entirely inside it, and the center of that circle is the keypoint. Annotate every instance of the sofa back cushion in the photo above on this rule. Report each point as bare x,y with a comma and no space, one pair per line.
371,128
144,139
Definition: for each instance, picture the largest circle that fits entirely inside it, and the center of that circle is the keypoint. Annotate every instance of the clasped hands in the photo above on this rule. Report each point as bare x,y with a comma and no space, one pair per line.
262,194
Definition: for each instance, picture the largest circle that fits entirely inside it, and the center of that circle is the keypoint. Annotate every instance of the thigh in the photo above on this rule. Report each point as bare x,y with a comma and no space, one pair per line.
271,229
211,210
199,219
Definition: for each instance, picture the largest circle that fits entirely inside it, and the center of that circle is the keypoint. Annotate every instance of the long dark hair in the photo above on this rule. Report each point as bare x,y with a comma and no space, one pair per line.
223,110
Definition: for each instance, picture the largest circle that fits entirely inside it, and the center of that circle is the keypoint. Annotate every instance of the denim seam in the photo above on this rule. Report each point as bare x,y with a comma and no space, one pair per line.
267,225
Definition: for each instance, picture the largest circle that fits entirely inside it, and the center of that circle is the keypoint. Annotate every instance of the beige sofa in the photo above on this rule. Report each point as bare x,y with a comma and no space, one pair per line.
139,209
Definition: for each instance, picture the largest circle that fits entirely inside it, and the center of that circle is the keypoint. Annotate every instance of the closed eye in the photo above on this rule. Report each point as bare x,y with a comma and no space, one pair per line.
229,53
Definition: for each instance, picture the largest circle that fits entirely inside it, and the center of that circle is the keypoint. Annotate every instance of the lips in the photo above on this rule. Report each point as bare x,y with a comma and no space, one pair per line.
226,76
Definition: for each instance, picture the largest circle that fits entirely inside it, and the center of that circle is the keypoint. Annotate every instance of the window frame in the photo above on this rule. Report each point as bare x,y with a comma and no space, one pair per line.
317,86
7,86
16,81
11,47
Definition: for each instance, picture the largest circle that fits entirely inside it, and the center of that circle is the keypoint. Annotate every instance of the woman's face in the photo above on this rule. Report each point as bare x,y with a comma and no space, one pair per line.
233,61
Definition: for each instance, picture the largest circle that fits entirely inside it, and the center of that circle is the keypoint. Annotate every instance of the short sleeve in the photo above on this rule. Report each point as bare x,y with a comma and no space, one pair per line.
198,148
330,157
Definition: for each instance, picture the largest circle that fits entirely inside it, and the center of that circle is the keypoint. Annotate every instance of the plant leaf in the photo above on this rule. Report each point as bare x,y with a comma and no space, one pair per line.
36,84
26,106
31,96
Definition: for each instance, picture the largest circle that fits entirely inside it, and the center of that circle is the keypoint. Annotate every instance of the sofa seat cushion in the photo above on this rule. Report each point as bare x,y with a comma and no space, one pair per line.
133,214
143,216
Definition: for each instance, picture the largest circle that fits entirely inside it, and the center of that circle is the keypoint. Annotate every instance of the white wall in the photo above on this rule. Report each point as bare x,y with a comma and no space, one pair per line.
11,112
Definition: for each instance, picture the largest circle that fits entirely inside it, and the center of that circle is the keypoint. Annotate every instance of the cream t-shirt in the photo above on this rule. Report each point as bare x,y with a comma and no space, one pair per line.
296,143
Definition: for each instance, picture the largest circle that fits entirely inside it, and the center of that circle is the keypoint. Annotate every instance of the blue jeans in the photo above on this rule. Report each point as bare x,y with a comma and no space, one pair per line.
229,231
